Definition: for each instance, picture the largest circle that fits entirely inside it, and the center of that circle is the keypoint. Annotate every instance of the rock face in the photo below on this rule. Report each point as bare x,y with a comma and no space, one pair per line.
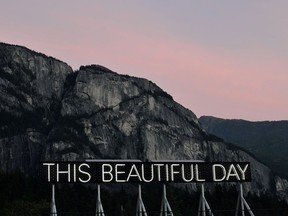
31,91
50,112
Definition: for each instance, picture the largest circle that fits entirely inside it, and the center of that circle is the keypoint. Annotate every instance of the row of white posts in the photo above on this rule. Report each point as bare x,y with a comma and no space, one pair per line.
166,210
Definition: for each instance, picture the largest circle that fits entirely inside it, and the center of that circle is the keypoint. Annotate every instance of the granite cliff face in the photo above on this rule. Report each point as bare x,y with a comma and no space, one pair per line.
31,91
50,112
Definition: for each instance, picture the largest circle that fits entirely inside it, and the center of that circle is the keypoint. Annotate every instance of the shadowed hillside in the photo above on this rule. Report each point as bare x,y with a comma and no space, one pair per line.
267,140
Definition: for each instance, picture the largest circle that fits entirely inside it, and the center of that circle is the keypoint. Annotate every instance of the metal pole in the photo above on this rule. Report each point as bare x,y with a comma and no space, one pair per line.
199,206
248,208
242,202
99,207
203,201
203,204
169,212
164,199
53,211
208,207
140,210
165,206
162,206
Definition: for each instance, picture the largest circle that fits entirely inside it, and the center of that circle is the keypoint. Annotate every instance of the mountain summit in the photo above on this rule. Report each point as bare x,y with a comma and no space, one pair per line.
50,112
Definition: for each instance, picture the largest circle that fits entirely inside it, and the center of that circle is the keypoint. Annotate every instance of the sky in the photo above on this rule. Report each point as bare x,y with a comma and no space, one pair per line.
222,58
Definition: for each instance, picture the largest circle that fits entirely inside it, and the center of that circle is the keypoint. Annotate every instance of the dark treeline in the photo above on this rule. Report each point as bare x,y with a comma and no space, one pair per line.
29,197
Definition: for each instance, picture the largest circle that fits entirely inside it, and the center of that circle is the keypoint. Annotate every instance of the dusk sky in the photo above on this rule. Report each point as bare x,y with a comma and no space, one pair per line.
222,58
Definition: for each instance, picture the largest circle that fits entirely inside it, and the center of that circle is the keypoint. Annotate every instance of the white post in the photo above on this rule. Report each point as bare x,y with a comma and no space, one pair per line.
165,206
53,211
203,200
99,207
199,206
241,200
203,204
140,210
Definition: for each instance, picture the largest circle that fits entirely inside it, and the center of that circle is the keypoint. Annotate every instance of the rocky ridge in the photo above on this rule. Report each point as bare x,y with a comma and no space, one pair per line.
49,111
267,140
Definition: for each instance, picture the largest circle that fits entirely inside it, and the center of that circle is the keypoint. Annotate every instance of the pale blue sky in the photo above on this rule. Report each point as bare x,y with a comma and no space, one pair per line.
223,58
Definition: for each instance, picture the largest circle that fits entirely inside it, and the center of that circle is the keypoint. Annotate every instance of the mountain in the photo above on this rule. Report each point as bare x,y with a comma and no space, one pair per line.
50,112
267,140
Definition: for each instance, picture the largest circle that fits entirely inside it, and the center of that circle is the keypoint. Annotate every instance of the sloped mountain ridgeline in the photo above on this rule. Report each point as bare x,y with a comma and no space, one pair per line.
267,140
50,112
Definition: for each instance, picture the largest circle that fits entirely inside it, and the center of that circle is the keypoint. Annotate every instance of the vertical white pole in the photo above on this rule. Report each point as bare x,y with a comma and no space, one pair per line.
203,204
199,206
99,207
162,206
164,198
244,203
140,209
53,211
242,200
169,210
203,201
165,206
